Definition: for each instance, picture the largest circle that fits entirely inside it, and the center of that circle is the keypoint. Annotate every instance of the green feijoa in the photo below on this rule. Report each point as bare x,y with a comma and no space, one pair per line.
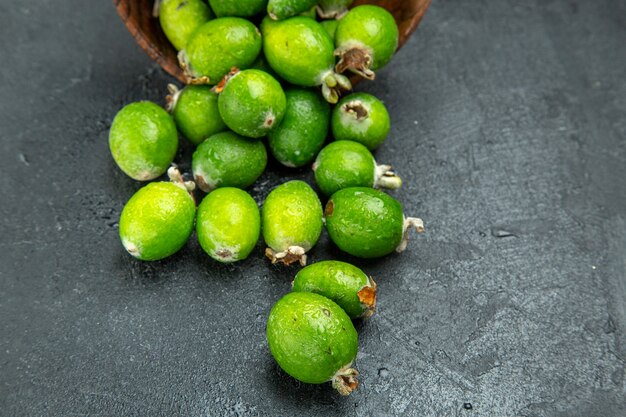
143,140
362,118
300,50
333,9
291,220
228,160
368,223
282,9
330,26
252,103
312,13
228,224
195,112
313,340
239,8
366,40
344,164
158,220
217,46
301,135
341,282
181,18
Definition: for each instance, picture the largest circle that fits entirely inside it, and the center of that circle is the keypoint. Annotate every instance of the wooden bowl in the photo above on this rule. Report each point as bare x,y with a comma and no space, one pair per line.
137,15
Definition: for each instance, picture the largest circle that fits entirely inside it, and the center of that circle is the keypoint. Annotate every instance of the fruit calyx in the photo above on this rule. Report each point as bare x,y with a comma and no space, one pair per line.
367,297
177,179
385,177
333,84
289,256
410,223
156,8
345,380
190,76
172,98
219,87
356,109
331,12
356,59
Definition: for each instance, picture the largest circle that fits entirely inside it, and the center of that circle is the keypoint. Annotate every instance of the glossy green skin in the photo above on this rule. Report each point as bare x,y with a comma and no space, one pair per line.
239,8
157,221
228,224
364,222
179,19
299,49
221,44
370,131
292,216
252,103
338,281
301,135
282,9
372,28
331,27
311,337
331,8
143,140
228,160
196,113
344,164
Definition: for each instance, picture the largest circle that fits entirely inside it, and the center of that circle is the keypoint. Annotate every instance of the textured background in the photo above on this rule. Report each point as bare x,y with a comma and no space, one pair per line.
509,128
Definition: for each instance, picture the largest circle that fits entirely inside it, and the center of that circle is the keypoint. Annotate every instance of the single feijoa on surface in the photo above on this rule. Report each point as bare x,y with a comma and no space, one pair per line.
362,118
282,9
179,19
301,134
195,112
344,164
228,160
366,39
343,283
143,140
368,223
228,224
239,8
158,220
252,103
291,220
313,340
333,9
217,46
300,50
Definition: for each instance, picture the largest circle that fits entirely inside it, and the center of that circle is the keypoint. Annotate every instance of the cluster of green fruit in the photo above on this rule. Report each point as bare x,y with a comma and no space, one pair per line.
243,85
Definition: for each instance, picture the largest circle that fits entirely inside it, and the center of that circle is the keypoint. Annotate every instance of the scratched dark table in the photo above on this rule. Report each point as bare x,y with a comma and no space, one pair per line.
509,129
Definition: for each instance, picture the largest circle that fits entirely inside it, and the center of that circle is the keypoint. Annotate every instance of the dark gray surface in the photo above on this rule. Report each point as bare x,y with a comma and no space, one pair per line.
509,128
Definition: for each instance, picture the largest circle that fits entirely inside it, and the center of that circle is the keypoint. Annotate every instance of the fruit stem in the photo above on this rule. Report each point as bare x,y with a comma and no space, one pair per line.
345,380
409,223
355,59
172,98
291,255
386,178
